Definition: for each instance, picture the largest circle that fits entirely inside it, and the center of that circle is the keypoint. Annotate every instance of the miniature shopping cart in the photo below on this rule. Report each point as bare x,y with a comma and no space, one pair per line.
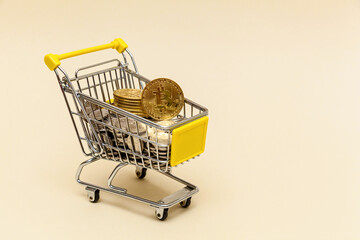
107,132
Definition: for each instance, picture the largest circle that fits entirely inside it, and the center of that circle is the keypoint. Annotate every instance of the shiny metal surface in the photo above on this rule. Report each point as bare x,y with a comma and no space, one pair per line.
163,203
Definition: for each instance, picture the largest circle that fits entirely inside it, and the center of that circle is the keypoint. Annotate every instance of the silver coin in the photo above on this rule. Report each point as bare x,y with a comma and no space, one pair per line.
160,153
99,114
133,142
159,136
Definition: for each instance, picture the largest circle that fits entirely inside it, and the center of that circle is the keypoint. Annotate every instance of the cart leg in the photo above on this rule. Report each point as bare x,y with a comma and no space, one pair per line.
140,172
161,213
93,194
82,165
112,175
186,203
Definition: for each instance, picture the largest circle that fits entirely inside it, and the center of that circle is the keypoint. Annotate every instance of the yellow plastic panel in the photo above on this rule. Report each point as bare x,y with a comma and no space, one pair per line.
188,141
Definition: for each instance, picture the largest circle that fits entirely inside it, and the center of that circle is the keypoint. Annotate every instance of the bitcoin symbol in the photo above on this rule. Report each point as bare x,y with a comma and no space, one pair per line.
167,98
163,99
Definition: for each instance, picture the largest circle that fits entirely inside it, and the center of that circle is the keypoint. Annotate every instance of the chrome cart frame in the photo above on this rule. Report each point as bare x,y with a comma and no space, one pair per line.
107,132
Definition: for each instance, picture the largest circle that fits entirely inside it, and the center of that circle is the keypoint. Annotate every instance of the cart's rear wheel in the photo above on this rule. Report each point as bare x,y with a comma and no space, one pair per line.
186,203
161,214
141,173
93,194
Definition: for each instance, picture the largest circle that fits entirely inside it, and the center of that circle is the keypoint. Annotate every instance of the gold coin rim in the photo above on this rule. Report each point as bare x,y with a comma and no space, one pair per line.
129,105
115,93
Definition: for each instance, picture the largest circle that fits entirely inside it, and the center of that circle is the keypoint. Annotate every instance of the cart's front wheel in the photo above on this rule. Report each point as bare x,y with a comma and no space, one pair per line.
186,203
161,213
93,194
141,173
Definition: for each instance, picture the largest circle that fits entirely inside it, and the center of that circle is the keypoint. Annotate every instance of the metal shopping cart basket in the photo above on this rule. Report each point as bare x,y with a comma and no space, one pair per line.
107,132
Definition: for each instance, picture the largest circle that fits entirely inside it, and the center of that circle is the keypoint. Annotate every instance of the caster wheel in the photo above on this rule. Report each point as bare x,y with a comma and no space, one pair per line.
93,194
162,214
141,173
186,203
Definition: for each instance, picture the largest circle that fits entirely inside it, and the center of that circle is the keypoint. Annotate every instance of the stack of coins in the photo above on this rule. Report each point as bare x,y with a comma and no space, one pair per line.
163,138
129,100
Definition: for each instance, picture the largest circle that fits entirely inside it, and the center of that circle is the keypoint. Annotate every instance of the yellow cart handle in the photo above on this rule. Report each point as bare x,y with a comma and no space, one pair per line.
53,60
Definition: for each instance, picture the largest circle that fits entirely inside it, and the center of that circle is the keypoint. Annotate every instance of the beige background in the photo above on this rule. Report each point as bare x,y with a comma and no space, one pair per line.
281,81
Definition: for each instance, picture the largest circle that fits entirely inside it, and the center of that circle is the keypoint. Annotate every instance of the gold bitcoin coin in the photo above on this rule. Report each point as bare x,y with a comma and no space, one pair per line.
129,100
162,99
131,110
129,107
128,93
120,101
127,103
